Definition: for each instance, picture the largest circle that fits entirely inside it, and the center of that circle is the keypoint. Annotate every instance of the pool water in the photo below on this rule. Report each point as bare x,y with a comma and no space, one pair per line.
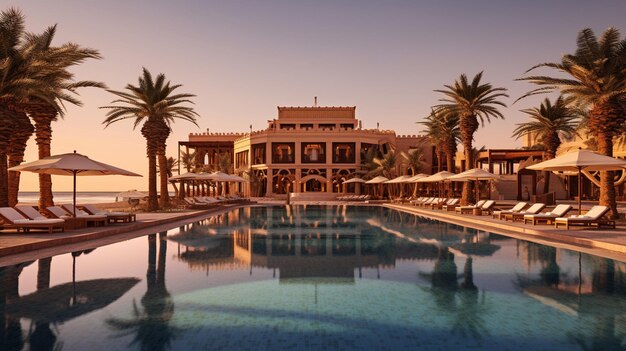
316,277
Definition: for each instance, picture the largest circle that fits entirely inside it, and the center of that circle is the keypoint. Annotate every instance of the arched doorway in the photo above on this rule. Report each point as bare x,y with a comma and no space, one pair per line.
313,183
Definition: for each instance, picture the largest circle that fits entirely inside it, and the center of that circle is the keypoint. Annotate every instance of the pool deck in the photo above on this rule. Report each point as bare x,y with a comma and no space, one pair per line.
606,242
16,247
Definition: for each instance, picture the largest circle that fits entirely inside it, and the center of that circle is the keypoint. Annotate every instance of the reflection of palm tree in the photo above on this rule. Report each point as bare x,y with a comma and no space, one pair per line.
10,329
151,326
550,273
462,301
42,337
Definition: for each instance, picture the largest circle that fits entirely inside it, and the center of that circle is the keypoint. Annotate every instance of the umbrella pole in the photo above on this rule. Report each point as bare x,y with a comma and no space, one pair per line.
580,192
74,193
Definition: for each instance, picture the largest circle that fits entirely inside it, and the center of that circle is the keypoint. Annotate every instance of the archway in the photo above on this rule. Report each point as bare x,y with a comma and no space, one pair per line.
313,183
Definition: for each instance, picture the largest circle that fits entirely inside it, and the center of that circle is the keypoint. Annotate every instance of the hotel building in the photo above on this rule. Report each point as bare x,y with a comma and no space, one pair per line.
305,150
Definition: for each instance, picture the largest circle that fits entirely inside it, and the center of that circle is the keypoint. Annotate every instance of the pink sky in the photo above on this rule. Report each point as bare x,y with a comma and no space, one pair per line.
244,58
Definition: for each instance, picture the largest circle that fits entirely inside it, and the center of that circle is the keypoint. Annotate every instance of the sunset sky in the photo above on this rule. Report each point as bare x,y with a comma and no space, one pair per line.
244,58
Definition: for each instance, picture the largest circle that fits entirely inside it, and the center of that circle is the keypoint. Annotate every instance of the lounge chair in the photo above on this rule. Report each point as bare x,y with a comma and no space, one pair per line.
112,217
534,209
422,200
14,219
596,215
449,202
518,207
438,203
429,202
487,207
30,212
59,212
548,217
468,209
197,203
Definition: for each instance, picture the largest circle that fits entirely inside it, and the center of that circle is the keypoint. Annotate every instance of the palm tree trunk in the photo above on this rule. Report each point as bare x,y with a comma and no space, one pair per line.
607,183
164,196
153,204
162,132
6,129
43,115
149,132
468,126
450,153
17,146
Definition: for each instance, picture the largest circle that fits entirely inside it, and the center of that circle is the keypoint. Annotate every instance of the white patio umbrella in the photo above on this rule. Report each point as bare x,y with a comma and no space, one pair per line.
185,176
377,180
71,164
400,179
475,174
131,194
414,180
578,161
417,177
436,178
354,180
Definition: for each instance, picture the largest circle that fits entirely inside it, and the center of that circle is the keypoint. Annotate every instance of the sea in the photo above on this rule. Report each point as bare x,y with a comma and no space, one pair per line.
61,197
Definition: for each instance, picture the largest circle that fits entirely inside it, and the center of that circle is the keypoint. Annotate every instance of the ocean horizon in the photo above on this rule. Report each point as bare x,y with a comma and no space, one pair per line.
92,197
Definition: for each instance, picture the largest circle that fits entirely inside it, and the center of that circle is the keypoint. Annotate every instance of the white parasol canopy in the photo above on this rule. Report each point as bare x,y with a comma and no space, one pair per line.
475,174
185,176
417,177
400,179
354,180
377,180
220,177
580,160
437,177
71,164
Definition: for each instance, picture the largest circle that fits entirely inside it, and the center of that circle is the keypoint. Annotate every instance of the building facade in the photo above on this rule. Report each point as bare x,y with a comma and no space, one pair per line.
306,149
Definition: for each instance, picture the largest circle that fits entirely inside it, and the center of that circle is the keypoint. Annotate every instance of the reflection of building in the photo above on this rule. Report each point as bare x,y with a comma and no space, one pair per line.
320,245
306,149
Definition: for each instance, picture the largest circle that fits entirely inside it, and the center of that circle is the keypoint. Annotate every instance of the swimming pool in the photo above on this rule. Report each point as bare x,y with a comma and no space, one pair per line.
316,277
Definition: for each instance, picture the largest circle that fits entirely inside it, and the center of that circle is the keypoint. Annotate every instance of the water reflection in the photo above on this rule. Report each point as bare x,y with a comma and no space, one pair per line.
49,306
462,279
150,325
596,299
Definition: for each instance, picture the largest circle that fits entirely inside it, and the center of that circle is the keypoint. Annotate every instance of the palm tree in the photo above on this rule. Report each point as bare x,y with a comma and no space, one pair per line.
443,128
224,162
471,102
548,124
435,137
53,85
16,81
188,160
415,160
386,165
596,81
154,104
